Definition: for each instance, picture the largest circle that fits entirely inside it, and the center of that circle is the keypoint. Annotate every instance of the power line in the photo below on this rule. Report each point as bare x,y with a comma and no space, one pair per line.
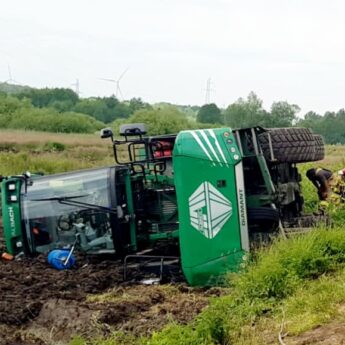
77,86
208,91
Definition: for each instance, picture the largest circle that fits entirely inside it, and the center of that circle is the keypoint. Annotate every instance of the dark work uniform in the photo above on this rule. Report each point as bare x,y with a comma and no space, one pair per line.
321,182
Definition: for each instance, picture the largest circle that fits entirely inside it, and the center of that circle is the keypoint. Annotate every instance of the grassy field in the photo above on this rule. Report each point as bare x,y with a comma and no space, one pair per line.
49,153
290,288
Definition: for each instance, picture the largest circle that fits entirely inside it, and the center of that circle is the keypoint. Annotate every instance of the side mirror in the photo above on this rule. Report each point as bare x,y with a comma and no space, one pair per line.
27,174
106,133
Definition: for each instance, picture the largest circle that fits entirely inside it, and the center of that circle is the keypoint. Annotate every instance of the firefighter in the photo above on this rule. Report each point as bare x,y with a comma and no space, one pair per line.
330,186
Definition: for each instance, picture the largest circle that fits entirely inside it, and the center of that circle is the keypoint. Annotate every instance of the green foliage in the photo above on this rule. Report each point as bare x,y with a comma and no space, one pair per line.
311,199
166,119
12,89
177,335
105,109
190,111
77,341
315,302
245,113
209,113
48,120
250,112
279,272
24,161
290,279
8,108
282,267
20,114
158,121
137,104
240,114
59,98
54,147
331,126
282,114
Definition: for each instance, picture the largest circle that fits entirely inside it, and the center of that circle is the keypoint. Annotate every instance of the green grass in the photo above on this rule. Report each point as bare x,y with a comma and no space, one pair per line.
281,271
300,280
51,153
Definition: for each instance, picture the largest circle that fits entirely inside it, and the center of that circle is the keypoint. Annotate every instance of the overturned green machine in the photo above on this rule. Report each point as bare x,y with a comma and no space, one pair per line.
204,196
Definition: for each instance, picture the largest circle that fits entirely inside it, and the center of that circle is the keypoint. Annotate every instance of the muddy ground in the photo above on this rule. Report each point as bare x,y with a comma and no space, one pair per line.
40,305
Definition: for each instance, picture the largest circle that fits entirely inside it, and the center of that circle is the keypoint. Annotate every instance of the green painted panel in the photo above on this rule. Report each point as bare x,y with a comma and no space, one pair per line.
11,214
205,178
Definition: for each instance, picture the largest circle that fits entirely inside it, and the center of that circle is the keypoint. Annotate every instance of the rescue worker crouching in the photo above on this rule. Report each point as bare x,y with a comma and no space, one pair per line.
330,186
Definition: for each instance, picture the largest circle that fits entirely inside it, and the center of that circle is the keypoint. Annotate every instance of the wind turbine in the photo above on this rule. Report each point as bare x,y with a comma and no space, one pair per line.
117,82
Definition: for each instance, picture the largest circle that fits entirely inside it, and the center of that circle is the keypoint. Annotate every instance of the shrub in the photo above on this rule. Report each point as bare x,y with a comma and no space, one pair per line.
278,272
49,120
52,146
165,120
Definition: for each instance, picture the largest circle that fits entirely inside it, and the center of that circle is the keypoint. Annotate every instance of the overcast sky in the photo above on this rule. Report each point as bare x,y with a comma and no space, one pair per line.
289,50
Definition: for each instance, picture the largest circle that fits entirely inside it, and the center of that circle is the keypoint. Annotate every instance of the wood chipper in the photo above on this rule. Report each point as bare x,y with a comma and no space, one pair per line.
213,194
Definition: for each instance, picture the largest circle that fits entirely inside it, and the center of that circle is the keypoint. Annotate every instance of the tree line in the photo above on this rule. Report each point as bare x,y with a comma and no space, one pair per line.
104,109
62,110
250,112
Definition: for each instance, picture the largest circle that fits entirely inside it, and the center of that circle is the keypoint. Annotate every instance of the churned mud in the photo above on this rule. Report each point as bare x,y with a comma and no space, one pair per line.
40,305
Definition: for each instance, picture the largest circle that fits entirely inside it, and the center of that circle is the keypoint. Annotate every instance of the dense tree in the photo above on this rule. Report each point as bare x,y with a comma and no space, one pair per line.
61,110
245,112
209,113
282,114
8,108
158,121
12,89
250,112
49,120
60,98
331,126
16,113
106,109
137,104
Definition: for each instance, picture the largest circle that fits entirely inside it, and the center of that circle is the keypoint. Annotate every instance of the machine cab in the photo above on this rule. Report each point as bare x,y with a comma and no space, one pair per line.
56,210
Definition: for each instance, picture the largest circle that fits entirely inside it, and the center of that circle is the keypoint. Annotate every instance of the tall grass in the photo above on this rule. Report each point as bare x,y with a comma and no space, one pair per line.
21,137
295,276
301,279
278,272
51,153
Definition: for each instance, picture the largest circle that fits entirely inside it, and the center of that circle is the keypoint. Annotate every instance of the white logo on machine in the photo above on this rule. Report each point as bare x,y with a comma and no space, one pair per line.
12,221
209,210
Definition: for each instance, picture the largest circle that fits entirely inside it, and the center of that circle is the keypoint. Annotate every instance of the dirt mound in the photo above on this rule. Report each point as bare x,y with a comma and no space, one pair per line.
331,334
140,310
40,305
27,284
31,290
59,319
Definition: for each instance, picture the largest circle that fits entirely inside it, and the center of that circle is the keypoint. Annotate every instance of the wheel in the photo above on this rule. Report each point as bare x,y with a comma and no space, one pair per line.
319,148
290,145
265,219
